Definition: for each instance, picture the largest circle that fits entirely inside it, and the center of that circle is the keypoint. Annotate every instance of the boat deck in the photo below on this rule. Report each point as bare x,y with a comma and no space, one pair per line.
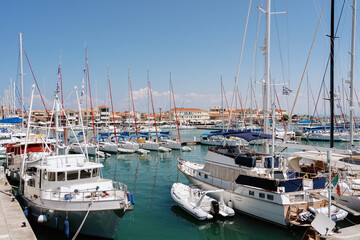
13,223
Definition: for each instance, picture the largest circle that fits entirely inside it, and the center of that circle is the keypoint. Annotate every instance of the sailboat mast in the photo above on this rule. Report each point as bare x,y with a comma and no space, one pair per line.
266,85
352,75
222,103
112,106
132,99
152,104
332,37
88,77
177,122
21,81
62,98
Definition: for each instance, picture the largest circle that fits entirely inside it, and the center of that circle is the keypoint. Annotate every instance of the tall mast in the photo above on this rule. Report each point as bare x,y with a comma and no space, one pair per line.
266,84
62,98
177,122
352,75
112,106
22,82
222,103
152,104
88,77
132,100
332,37
170,99
14,97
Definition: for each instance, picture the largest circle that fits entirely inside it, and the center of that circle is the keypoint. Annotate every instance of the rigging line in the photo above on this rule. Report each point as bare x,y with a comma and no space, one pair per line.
261,124
279,45
303,74
227,105
132,99
327,64
342,113
152,104
112,106
282,116
315,109
243,110
88,77
62,98
37,86
253,56
177,122
318,13
288,44
241,53
337,126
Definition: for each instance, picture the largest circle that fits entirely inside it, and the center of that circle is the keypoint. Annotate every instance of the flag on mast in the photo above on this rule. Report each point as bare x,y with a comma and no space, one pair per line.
286,91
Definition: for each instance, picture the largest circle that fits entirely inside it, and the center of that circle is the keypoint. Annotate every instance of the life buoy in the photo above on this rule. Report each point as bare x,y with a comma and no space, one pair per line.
306,176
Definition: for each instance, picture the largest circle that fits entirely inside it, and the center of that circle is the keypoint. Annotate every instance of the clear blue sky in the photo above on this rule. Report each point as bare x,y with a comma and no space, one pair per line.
195,40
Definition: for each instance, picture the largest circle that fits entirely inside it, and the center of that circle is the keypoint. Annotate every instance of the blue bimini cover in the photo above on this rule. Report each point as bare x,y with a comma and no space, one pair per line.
11,120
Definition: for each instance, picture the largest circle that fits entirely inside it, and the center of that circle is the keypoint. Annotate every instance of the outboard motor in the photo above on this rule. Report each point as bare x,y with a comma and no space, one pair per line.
214,208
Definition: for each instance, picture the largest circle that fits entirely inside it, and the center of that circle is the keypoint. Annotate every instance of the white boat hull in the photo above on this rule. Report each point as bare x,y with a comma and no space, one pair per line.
152,146
267,211
108,148
98,223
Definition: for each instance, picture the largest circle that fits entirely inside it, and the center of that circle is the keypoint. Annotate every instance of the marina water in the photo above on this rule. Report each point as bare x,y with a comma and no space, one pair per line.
156,215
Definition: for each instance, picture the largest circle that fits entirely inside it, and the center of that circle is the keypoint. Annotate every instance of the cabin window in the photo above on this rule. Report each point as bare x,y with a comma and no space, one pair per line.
270,197
51,176
85,173
60,176
206,176
95,172
72,175
251,193
199,174
262,195
31,182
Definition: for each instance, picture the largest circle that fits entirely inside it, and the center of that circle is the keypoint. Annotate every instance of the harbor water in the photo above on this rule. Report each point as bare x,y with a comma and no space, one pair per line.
156,215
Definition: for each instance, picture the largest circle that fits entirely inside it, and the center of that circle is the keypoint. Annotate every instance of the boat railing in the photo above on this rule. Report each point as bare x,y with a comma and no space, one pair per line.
118,192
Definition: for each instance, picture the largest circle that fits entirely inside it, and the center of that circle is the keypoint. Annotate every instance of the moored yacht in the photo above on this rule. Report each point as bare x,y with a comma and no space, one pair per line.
68,189
256,185
66,192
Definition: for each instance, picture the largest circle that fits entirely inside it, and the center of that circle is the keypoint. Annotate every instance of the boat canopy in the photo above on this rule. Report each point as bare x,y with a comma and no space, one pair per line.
11,120
305,121
249,136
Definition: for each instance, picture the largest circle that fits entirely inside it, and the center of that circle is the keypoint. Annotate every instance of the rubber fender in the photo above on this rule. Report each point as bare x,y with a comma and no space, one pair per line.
67,228
132,200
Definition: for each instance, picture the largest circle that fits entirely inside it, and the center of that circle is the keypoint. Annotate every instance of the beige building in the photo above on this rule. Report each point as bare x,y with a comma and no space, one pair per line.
189,114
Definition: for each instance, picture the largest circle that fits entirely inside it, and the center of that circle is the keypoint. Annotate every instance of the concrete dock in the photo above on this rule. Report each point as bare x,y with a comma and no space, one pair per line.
13,223
348,233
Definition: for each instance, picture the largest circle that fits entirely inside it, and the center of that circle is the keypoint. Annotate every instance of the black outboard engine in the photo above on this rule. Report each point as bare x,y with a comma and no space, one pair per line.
214,208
